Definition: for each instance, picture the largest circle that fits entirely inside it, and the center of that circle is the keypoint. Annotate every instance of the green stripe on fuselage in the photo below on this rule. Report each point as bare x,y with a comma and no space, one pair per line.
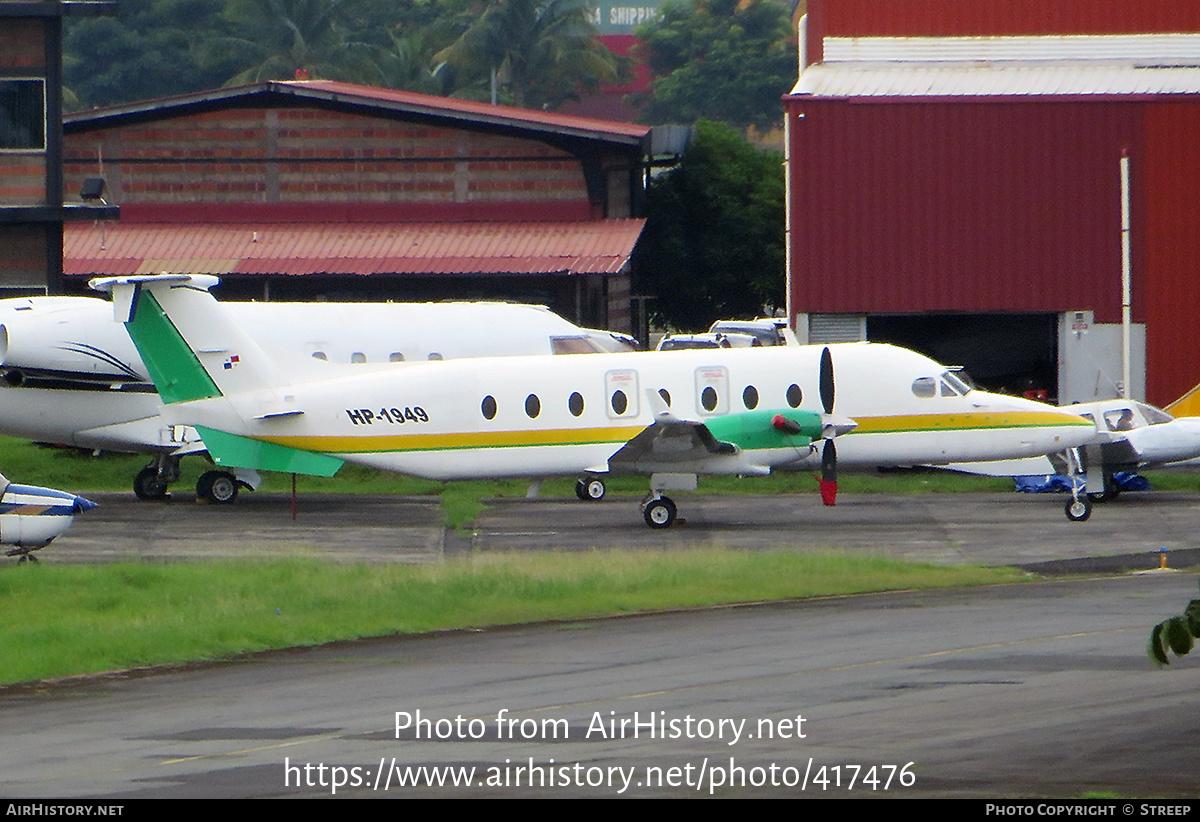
233,451
177,373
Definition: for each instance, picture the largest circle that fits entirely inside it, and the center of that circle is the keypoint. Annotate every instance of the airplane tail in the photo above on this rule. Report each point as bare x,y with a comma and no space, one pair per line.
190,346
194,351
1186,406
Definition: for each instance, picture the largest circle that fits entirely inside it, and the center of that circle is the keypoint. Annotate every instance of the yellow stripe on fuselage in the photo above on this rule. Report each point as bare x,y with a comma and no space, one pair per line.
369,444
966,421
619,435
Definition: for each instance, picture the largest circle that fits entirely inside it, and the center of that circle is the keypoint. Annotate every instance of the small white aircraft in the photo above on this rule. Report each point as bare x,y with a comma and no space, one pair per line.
671,415
1132,436
30,517
70,375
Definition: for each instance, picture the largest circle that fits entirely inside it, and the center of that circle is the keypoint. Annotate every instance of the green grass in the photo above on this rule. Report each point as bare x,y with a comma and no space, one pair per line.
62,620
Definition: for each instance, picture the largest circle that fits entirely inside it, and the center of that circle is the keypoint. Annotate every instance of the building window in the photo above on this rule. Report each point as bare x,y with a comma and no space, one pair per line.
22,115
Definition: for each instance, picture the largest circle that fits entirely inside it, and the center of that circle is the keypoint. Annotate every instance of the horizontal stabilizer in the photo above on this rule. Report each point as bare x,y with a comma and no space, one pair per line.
233,451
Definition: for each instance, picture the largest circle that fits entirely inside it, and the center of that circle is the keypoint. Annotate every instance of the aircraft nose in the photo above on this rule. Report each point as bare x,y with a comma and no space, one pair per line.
82,505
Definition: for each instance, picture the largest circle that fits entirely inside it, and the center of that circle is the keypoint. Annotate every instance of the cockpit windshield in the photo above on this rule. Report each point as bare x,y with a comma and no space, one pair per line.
953,385
1154,416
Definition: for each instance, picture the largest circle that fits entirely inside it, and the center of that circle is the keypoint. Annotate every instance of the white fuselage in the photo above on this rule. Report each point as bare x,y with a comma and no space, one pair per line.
72,375
435,419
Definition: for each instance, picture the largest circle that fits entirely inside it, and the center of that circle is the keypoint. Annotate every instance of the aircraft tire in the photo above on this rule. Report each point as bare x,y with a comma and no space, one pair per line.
660,513
1079,510
218,487
591,489
148,485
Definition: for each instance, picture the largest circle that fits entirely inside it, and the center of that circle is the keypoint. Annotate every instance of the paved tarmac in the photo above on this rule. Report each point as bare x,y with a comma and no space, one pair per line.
1012,691
989,529
1028,691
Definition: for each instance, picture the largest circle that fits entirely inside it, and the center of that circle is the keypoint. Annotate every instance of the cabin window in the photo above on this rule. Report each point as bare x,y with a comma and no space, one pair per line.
533,406
666,395
1120,419
924,387
794,395
488,407
320,355
619,402
575,403
395,356
358,357
708,398
750,397
572,345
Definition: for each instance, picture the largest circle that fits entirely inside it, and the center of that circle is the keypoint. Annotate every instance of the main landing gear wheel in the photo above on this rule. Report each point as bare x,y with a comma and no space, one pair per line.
659,513
590,490
217,487
148,484
1079,510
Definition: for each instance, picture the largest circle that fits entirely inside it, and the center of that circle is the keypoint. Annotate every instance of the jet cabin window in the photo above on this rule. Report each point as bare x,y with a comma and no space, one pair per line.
572,345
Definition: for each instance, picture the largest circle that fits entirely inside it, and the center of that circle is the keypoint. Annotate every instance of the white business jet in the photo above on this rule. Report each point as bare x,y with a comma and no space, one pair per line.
671,416
70,375
30,517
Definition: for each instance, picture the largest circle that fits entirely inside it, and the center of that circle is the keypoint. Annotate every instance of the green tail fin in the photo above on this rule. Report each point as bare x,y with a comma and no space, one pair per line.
174,367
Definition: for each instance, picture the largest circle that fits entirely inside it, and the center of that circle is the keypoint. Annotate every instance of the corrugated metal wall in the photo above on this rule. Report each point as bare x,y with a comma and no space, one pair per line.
1171,274
964,206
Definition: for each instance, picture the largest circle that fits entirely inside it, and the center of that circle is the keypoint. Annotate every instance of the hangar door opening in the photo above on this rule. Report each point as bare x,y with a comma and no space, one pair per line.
1006,353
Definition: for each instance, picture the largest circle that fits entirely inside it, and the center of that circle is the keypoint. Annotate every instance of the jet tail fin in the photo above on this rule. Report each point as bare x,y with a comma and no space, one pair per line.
191,347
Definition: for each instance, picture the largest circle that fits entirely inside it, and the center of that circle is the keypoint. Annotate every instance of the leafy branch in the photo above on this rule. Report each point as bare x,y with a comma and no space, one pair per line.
1177,635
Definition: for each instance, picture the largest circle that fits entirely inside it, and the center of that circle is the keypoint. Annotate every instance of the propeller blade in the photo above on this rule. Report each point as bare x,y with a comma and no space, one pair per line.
829,473
826,383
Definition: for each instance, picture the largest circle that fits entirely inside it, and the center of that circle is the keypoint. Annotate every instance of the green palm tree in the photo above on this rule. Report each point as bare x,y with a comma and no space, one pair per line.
542,51
282,39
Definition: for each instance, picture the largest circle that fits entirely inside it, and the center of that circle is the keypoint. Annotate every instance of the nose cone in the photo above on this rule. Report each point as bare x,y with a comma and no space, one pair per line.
82,505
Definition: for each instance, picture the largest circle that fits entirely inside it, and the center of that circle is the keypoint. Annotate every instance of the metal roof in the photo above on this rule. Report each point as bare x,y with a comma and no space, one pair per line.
522,248
1157,49
379,102
1142,64
1013,78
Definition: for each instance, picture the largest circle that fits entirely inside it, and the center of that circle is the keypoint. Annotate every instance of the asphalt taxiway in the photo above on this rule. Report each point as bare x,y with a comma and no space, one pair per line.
988,529
1008,691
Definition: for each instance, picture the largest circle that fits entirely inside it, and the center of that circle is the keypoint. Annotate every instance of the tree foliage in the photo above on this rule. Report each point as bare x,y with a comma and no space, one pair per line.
144,52
543,51
721,60
713,245
280,39
1176,635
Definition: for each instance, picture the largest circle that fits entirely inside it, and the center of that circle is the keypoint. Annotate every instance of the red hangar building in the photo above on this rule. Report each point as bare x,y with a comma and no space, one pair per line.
1000,184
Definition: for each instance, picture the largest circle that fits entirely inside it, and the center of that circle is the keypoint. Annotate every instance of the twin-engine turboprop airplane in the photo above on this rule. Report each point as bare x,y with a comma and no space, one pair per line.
70,375
672,416
30,517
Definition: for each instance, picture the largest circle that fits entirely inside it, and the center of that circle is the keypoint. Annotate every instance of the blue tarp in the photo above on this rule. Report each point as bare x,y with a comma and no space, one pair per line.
1058,483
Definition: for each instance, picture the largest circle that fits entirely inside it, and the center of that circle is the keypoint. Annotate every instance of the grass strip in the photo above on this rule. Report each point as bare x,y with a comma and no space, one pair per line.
62,620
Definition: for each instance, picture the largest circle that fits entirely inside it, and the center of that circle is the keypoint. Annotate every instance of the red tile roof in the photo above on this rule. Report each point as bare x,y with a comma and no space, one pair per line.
528,248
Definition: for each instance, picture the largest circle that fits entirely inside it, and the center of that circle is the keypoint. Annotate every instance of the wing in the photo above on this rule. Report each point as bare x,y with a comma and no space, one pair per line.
669,444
